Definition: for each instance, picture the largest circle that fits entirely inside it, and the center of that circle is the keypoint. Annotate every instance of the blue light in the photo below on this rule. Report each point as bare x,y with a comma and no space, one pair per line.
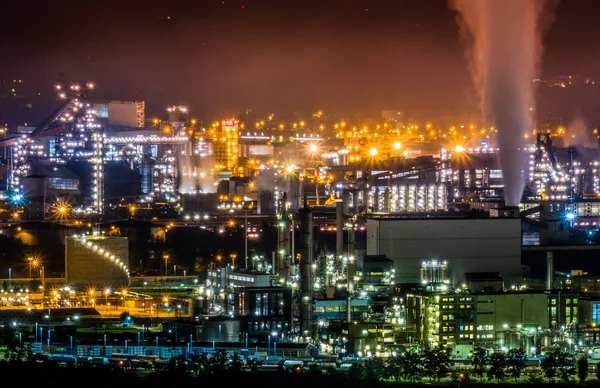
17,198
484,143
570,216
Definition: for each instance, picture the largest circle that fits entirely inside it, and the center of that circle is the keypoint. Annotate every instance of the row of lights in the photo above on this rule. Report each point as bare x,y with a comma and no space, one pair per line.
105,253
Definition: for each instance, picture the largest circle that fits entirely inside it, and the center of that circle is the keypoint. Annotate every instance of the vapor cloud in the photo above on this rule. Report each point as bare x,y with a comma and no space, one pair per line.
504,47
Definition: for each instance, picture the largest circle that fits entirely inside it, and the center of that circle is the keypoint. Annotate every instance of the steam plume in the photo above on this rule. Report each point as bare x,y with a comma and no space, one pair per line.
504,50
580,134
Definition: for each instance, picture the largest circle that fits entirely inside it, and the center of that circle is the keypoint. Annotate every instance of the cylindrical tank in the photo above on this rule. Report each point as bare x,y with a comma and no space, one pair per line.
147,173
200,306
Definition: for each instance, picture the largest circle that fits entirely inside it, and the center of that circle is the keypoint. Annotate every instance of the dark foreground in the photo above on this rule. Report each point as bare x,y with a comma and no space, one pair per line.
51,375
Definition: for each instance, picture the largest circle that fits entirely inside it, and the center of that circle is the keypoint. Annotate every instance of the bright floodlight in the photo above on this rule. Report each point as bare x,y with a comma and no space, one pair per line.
312,148
373,151
397,145
570,216
459,148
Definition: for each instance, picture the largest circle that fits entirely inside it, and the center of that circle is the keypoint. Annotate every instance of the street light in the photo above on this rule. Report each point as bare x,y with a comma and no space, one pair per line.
33,263
274,334
166,259
106,293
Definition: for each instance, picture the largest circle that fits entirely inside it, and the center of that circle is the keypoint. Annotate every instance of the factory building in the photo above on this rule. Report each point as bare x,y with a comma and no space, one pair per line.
264,311
466,245
97,261
525,320
225,277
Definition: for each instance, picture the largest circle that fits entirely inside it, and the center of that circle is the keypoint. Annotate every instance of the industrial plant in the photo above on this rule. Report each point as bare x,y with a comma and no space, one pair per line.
358,239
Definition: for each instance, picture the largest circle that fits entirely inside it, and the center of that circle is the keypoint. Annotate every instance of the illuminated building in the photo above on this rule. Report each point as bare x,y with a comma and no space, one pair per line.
97,261
226,145
517,320
434,271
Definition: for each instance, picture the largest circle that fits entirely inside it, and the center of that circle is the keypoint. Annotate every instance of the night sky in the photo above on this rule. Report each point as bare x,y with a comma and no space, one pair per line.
354,56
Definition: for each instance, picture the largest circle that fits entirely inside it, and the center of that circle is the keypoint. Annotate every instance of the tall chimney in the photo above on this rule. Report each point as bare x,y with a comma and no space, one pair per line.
351,271
549,270
305,219
339,226
283,241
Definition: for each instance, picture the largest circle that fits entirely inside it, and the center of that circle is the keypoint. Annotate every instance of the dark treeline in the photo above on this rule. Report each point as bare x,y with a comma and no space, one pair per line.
52,375
47,374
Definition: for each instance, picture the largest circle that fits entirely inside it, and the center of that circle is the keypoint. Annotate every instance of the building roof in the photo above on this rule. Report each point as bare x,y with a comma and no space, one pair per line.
341,302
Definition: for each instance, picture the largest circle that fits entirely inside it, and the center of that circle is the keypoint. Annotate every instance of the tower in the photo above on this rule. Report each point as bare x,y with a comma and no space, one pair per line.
305,218
283,240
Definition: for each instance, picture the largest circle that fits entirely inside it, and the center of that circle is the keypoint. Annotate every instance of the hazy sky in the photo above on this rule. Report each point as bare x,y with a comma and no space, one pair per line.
279,55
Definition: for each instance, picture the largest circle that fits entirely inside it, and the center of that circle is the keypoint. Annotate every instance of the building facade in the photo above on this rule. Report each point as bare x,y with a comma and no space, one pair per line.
264,311
526,320
466,245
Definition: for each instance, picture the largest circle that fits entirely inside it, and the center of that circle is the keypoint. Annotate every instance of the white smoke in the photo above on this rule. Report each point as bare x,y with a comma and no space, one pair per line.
504,49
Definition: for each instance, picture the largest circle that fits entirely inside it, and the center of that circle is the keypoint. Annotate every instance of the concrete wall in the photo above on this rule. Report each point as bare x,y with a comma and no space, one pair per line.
531,310
221,331
122,113
86,267
469,245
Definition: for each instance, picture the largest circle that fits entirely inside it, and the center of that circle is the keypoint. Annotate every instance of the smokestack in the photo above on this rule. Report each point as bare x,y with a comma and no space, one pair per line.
305,218
339,225
351,268
549,270
283,241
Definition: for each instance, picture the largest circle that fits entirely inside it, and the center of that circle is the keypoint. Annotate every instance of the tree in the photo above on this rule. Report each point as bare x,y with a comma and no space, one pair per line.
124,317
515,362
479,362
355,372
236,363
8,335
559,365
374,369
566,366
218,361
497,370
411,366
393,368
429,361
436,363
583,369
550,366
